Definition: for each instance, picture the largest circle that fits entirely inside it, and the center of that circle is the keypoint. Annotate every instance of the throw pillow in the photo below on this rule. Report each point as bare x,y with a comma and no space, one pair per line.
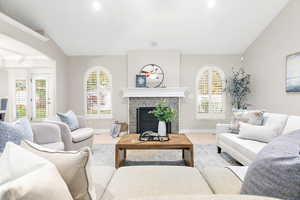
257,133
25,127
254,117
276,169
29,177
74,167
9,133
70,119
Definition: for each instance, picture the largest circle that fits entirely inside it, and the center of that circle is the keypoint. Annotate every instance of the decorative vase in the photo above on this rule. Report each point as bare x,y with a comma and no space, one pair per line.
162,129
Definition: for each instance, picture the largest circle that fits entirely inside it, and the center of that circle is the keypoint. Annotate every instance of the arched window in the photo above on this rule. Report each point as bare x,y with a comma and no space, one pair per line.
210,93
98,91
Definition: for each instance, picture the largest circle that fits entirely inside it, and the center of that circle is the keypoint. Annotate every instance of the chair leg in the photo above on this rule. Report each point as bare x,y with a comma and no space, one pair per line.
219,150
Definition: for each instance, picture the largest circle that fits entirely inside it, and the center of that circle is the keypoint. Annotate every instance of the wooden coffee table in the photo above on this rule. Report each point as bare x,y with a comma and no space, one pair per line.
177,141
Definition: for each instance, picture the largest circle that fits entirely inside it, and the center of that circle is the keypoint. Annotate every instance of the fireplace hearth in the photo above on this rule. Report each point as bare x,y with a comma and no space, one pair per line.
147,122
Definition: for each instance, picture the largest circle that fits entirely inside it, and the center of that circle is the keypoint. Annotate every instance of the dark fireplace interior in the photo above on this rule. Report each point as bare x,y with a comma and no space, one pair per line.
146,121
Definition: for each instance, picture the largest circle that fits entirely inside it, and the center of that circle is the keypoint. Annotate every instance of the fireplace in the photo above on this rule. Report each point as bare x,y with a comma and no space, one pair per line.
146,121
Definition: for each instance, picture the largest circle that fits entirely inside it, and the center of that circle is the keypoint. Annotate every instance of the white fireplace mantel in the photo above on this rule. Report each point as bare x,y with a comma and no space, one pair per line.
155,92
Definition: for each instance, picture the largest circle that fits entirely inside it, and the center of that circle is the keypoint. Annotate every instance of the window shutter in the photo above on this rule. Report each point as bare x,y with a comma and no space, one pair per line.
98,93
91,94
203,104
41,98
21,98
211,92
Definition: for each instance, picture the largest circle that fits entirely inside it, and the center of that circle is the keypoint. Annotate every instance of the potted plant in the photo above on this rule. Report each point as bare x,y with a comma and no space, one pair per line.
238,86
164,114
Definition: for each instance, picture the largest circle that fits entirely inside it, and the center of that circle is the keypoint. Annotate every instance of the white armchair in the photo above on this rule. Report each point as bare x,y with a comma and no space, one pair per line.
47,135
75,140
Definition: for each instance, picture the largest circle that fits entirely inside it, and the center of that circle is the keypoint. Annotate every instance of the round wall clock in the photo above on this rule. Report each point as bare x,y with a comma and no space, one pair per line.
154,75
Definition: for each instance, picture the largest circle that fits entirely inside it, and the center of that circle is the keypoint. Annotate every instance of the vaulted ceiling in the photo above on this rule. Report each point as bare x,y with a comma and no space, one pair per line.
95,27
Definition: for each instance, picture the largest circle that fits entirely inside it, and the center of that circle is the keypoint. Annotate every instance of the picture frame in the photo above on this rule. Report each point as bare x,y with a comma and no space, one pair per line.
293,73
141,81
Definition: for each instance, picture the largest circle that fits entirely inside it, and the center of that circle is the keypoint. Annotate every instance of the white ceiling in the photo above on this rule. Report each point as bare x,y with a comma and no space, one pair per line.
121,25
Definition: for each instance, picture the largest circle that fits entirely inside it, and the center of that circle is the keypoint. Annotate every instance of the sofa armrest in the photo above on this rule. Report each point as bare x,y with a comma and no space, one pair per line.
45,133
81,121
223,128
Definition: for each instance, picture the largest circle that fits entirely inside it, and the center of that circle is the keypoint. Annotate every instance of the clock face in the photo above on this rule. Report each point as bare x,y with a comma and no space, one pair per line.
154,75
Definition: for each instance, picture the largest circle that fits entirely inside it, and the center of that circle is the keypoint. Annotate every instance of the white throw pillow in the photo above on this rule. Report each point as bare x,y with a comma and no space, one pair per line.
73,166
257,133
25,176
254,117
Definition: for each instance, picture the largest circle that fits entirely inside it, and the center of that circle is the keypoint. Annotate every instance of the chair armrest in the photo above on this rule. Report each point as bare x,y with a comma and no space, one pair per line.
65,132
223,128
45,133
81,121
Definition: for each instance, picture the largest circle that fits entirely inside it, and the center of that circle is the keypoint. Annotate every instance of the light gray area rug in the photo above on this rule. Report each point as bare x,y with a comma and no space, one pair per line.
204,156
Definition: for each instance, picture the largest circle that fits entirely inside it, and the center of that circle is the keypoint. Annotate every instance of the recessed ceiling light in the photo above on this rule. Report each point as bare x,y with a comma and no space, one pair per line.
97,5
211,3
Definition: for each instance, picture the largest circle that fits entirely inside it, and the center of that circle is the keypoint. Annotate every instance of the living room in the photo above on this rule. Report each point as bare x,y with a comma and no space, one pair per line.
149,99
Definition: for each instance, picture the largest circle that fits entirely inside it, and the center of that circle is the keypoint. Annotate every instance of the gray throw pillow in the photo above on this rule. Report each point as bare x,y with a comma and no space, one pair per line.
9,133
276,169
70,119
24,126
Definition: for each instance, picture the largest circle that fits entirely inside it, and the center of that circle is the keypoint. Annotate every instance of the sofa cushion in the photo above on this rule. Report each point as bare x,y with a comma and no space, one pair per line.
257,133
292,124
276,169
254,117
248,148
81,134
222,180
24,126
27,176
277,121
141,181
74,167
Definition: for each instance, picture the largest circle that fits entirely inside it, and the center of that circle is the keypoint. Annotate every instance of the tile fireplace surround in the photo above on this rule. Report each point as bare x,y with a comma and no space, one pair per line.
149,97
136,102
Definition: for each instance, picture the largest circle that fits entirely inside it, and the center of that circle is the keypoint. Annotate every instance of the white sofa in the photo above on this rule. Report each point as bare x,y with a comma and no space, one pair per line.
245,151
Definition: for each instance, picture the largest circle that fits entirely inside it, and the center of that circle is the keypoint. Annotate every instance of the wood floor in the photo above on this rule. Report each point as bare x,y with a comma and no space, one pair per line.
196,138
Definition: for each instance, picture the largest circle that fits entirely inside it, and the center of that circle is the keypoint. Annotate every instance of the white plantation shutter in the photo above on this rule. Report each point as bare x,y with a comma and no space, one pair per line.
98,84
40,98
210,93
20,98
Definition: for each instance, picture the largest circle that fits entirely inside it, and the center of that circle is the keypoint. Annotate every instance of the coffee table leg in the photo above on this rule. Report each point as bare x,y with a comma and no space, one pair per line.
120,156
188,157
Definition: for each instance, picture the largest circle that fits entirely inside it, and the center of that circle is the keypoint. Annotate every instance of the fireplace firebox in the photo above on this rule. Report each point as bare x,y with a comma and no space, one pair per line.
146,121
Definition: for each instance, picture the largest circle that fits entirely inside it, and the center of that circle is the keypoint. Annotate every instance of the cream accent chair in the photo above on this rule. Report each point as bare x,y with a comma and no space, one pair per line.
77,139
47,135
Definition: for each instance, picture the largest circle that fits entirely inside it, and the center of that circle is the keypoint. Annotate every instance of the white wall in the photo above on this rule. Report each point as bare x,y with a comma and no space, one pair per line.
3,83
49,49
265,60
117,65
168,60
190,66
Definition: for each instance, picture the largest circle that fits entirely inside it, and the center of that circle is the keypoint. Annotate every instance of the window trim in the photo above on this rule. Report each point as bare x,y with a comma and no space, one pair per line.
210,116
97,116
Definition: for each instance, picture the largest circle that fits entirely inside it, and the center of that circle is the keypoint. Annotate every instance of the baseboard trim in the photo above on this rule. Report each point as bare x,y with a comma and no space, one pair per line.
101,131
197,131
190,131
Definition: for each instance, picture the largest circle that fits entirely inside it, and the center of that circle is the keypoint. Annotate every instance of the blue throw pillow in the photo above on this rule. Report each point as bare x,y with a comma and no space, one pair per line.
24,126
70,119
9,133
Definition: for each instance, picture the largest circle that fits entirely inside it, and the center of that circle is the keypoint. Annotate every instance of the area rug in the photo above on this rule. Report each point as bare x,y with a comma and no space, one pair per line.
204,156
